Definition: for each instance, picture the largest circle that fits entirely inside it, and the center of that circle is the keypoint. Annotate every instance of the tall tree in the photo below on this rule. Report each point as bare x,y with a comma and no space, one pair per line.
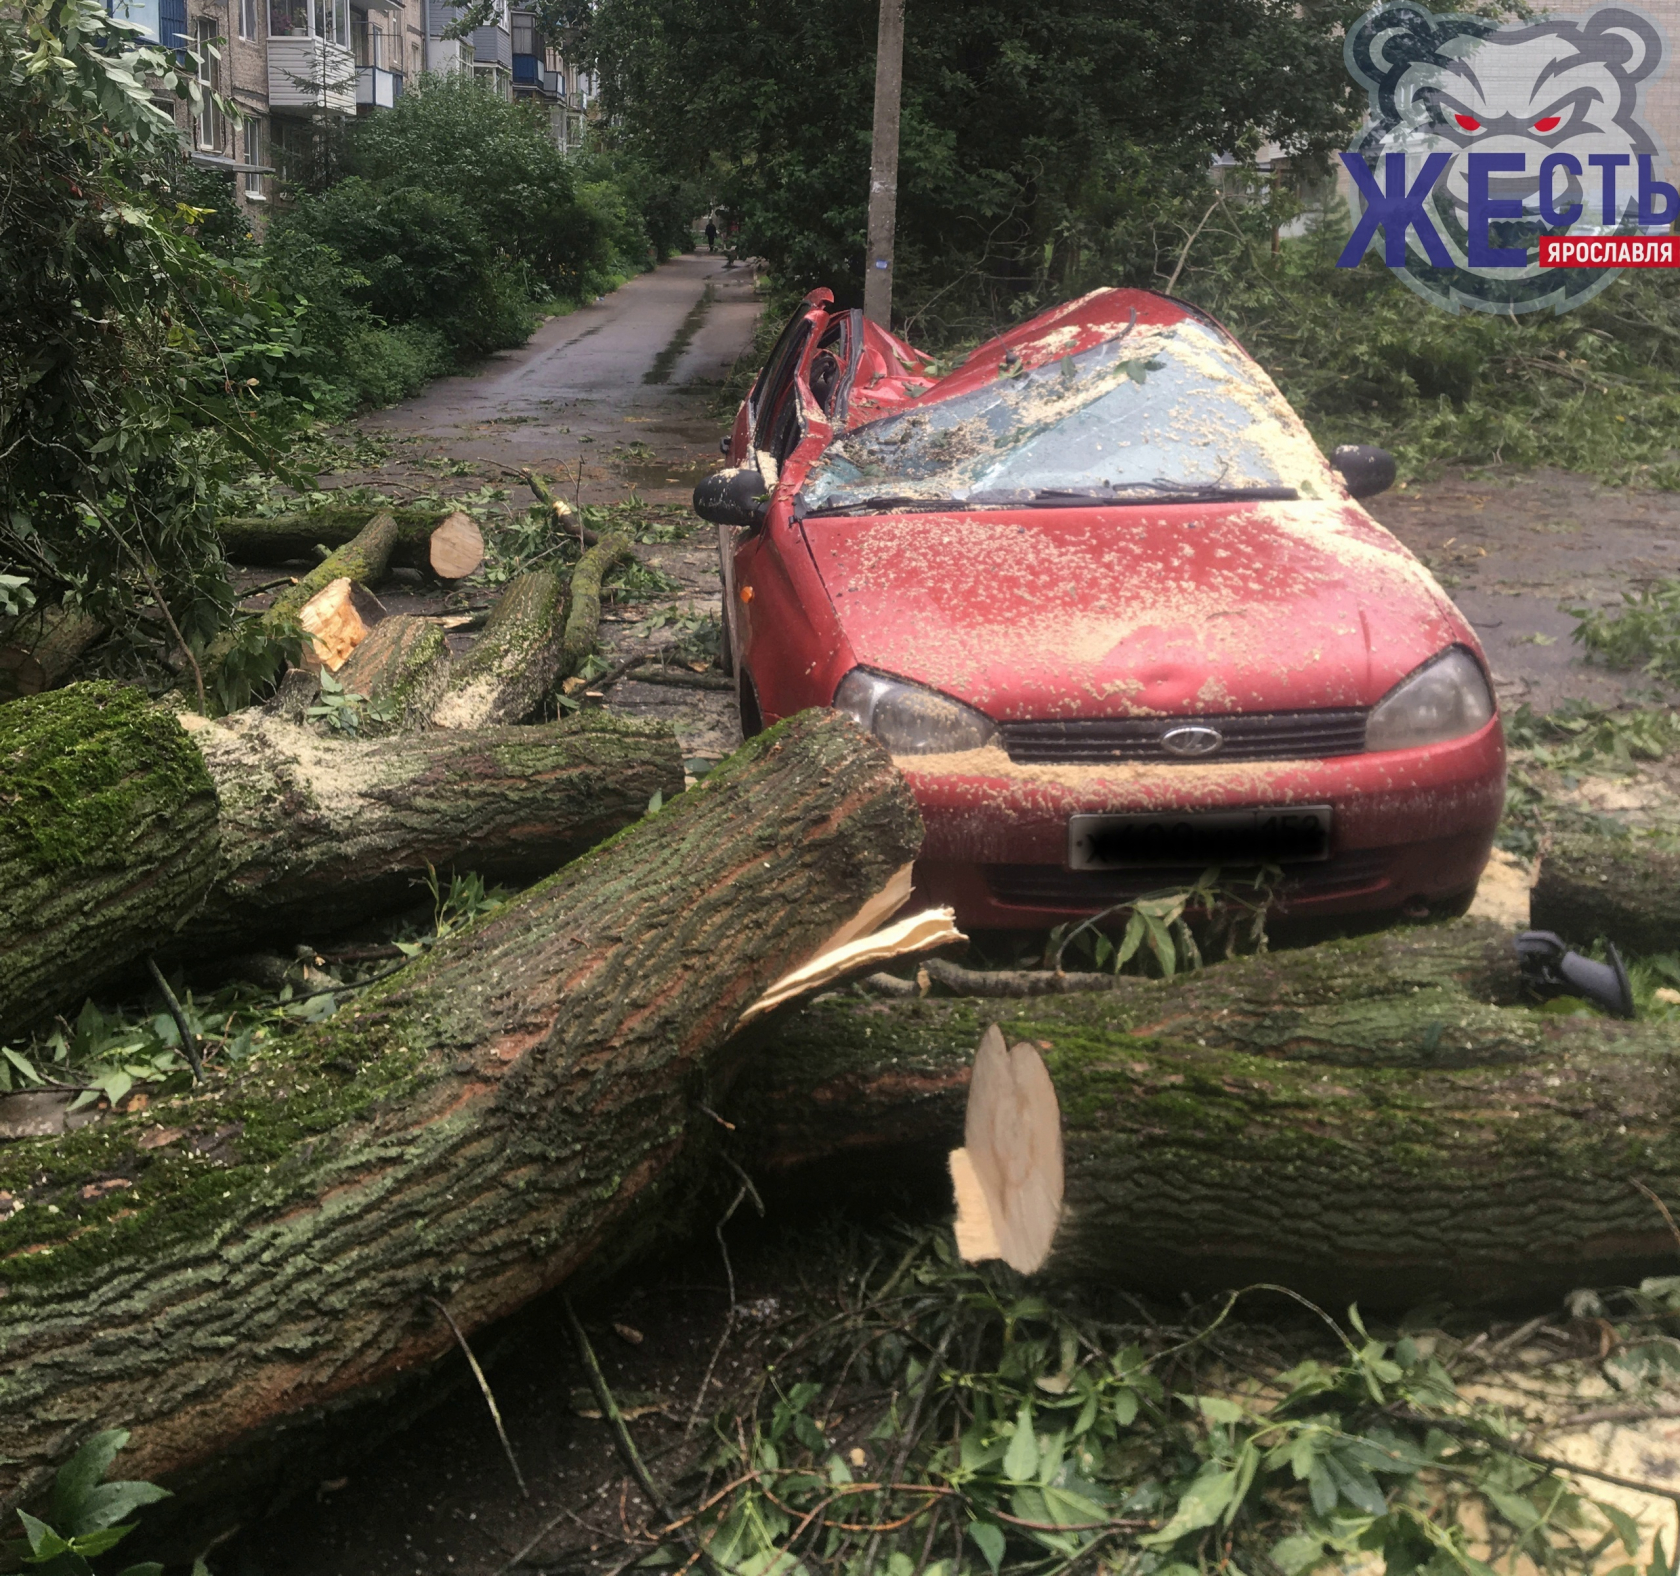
1035,132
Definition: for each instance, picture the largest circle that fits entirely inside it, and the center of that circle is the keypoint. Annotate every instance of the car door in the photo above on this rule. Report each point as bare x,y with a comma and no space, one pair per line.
773,591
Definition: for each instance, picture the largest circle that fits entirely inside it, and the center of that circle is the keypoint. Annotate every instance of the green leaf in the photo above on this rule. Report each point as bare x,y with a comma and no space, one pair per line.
152,1568
1627,1529
43,1541
657,802
1200,1506
1216,1409
76,1480
988,1538
1020,1461
1125,1407
109,1503
1297,1553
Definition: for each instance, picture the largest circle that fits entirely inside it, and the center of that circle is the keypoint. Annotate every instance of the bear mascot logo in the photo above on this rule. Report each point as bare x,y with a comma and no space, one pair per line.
1458,85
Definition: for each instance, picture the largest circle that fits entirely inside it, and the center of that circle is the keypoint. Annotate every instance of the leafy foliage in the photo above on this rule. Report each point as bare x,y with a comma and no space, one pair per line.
1644,634
85,1514
1034,136
1004,1430
135,365
1365,361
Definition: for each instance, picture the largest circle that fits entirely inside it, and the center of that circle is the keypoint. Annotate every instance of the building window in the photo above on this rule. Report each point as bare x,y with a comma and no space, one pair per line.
524,33
248,18
254,156
328,19
208,124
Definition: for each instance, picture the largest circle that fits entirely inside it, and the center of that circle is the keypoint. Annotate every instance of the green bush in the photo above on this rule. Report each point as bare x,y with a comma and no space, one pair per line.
417,255
497,162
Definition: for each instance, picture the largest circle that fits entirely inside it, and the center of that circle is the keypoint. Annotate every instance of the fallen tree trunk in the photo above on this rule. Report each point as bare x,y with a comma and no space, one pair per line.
403,666
512,666
362,560
242,1258
318,833
294,538
107,839
126,830
40,649
1623,889
1378,1119
583,617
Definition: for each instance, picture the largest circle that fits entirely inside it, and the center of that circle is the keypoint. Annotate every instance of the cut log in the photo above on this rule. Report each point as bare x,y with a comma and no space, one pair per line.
402,665
118,826
1622,889
520,1103
566,521
1378,1120
583,619
363,559
40,649
337,619
512,667
107,838
294,538
456,547
319,832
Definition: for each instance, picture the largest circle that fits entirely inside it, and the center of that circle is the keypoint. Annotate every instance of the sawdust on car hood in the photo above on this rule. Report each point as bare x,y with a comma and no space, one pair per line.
1141,610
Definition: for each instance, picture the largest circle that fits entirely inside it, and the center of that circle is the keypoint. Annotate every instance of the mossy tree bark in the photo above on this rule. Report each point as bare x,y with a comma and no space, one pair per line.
1379,1120
516,1104
583,617
363,559
294,538
512,666
125,830
318,833
39,650
403,664
1624,889
107,838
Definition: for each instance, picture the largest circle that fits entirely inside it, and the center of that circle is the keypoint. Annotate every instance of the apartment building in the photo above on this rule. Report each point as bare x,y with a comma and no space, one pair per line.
293,66
545,77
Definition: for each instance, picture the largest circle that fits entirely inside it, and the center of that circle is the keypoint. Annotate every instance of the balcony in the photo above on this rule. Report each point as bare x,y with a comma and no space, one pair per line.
310,73
492,46
377,88
527,71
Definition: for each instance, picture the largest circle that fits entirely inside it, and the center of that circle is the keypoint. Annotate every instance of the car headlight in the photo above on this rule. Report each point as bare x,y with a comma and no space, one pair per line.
908,719
1444,699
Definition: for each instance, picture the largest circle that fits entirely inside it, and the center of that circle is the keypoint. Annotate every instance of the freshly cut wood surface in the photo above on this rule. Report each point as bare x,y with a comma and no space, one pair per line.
456,547
337,619
522,1102
363,559
1380,1120
1008,1178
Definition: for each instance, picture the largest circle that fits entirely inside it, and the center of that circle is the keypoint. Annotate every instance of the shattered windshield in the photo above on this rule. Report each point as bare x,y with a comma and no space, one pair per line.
1153,412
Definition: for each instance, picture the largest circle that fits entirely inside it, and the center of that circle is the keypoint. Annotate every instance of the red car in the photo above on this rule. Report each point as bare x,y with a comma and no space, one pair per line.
1114,615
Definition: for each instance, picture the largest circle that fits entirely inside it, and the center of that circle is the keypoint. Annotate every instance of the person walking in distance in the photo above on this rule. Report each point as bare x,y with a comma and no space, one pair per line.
711,233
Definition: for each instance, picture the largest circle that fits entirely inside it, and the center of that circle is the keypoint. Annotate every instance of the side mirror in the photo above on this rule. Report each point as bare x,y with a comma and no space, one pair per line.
736,496
1366,470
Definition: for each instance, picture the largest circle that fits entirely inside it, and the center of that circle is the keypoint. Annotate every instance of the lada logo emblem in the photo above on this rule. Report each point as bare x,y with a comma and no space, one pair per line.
1191,740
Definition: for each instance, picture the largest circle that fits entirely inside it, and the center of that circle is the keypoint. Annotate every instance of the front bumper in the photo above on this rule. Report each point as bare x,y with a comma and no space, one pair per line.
1408,827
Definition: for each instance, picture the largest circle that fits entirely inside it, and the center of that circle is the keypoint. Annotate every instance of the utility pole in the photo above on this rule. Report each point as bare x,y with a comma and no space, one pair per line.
883,165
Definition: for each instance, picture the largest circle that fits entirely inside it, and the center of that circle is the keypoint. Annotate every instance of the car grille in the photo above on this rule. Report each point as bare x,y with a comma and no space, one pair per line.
1248,736
1053,886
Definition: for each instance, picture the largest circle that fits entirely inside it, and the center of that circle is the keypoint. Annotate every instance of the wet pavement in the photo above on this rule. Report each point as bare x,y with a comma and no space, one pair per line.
1515,550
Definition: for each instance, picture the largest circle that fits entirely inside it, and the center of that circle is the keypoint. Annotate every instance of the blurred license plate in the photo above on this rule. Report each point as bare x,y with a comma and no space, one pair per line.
1291,834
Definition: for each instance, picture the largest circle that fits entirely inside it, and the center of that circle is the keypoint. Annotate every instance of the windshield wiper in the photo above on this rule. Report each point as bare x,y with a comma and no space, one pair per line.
1157,492
1059,498
879,505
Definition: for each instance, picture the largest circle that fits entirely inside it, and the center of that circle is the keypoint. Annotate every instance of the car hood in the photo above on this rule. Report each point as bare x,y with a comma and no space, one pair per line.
1137,611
